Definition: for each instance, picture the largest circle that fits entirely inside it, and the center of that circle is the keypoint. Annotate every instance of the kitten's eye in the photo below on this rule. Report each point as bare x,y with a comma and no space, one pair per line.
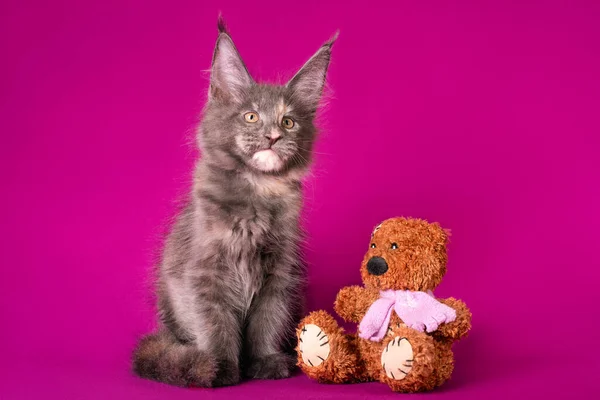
287,123
251,117
373,245
394,246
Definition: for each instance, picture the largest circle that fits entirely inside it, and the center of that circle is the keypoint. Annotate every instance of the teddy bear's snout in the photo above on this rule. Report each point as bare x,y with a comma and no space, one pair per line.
377,266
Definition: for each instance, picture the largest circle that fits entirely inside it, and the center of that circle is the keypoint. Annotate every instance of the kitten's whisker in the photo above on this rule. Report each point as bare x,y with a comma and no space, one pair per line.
314,151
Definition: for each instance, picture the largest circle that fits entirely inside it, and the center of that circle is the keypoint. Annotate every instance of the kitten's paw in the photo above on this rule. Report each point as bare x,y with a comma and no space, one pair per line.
273,366
397,358
228,374
314,345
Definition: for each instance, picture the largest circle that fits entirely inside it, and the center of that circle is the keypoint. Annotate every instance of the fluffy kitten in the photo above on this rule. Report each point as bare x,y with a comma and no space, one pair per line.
229,285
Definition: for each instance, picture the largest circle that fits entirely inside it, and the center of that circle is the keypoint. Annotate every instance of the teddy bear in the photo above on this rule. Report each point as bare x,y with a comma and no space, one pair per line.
405,334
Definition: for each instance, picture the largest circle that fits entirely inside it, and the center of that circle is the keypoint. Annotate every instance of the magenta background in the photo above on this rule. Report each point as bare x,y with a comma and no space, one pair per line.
479,115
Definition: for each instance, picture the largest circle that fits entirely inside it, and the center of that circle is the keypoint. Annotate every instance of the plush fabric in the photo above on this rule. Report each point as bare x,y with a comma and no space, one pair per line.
405,334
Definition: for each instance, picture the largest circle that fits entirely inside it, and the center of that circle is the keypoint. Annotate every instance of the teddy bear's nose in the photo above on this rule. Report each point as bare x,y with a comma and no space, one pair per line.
377,266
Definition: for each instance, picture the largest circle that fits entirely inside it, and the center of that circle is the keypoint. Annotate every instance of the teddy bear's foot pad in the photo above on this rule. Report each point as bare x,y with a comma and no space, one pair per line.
314,345
397,358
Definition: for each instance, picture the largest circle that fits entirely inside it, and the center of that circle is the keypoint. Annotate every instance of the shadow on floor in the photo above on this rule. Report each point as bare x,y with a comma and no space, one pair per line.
485,356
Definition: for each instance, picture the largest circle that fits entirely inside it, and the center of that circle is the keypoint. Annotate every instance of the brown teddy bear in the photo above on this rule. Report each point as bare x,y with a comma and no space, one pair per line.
405,334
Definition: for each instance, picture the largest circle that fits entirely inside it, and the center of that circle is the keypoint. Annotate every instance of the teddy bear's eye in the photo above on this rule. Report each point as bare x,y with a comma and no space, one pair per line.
373,245
394,246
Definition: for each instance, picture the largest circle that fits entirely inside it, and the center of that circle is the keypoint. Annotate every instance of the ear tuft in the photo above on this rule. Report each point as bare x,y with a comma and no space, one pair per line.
333,39
221,25
229,77
307,84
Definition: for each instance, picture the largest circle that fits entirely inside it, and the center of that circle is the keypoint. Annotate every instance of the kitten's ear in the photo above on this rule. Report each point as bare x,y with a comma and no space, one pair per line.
229,77
307,84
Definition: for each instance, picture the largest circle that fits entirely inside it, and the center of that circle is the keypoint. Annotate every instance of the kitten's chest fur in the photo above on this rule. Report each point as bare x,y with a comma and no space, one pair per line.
251,222
261,213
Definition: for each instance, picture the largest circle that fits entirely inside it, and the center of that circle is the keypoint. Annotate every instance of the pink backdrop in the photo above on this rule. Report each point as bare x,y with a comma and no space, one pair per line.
479,115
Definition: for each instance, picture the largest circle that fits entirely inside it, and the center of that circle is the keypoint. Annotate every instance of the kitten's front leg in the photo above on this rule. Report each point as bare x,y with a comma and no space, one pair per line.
218,330
270,327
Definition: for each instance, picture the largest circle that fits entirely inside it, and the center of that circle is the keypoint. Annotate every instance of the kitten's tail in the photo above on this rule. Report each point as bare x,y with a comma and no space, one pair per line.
162,358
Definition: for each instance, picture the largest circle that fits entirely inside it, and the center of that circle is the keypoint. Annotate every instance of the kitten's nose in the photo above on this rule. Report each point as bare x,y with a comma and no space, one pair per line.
273,138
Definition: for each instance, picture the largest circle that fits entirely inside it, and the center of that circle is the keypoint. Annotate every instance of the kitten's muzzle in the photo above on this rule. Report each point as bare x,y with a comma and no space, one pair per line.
377,266
273,138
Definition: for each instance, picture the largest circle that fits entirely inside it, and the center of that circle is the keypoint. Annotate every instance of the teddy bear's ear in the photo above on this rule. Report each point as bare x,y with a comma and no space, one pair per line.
376,228
448,234
441,235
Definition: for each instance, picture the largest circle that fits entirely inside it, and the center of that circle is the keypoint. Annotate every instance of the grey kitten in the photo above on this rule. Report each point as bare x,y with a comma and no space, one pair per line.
231,276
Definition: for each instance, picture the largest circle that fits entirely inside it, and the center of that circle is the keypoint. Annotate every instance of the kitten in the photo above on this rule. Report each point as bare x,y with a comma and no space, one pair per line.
230,279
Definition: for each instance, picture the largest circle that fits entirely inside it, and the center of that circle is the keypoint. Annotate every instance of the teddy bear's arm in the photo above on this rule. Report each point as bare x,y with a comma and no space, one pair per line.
458,328
352,302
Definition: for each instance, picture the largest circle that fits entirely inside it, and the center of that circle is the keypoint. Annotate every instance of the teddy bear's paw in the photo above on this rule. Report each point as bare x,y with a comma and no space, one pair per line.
314,345
397,358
